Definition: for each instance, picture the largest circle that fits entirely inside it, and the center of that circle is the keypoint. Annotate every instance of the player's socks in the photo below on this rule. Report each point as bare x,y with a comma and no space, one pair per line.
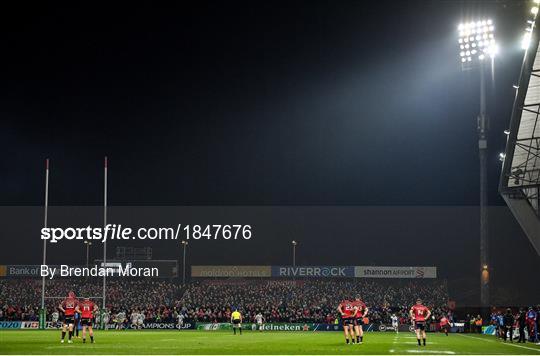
361,339
346,341
84,341
424,342
419,344
63,335
358,339
240,331
92,339
70,334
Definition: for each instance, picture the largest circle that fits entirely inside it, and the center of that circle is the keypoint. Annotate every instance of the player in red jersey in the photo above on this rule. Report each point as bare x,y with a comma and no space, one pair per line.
419,315
347,311
361,312
68,308
87,308
445,325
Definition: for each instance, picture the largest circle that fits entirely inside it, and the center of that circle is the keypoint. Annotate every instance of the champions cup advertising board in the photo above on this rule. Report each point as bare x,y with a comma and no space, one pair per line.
394,272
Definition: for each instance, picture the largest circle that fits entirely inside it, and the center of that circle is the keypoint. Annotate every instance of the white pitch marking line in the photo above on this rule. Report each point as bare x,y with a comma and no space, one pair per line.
486,340
431,352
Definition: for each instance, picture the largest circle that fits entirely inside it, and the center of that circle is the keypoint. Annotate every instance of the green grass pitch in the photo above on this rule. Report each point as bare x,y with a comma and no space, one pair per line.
253,342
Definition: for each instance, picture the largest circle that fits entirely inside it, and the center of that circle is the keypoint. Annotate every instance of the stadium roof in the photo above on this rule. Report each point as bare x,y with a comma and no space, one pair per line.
520,176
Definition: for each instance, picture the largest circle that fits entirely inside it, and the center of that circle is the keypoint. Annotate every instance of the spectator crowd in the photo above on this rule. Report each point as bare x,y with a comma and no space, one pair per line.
307,300
312,300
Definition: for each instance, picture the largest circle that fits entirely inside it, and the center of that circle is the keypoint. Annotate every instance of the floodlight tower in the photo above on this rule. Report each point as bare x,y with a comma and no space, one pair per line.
477,47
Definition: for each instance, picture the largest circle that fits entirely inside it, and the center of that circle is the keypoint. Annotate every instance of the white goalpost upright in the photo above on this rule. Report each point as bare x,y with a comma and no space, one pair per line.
105,166
43,313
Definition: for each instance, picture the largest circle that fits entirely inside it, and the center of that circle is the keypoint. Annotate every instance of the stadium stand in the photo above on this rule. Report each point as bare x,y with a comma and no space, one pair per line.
309,300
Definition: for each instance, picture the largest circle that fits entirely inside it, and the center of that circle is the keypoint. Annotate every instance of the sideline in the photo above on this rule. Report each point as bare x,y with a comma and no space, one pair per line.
502,343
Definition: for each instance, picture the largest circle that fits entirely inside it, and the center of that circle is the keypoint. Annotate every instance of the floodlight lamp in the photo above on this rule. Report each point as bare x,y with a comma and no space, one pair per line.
481,57
534,10
502,156
507,132
536,1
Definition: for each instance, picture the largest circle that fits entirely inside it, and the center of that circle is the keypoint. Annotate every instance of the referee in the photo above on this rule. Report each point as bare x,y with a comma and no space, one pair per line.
236,321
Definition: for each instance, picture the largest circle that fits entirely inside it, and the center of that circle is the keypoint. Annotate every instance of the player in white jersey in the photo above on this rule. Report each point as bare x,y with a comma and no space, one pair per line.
120,318
259,319
395,322
140,320
180,321
54,317
134,318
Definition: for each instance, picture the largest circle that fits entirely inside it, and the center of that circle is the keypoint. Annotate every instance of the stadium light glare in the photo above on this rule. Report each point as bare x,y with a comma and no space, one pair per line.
526,41
502,156
507,132
476,40
534,10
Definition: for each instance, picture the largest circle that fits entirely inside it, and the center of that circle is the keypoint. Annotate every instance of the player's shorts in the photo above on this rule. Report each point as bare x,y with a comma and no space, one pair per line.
69,319
236,322
86,322
420,325
395,325
359,321
348,321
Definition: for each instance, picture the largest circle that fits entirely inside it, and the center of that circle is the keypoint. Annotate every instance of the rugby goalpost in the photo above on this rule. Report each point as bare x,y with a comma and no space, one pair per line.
43,311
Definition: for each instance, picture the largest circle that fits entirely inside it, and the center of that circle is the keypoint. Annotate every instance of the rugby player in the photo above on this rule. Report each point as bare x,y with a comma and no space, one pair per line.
419,314
347,311
134,317
140,320
87,308
361,312
445,325
67,307
236,321
259,319
395,323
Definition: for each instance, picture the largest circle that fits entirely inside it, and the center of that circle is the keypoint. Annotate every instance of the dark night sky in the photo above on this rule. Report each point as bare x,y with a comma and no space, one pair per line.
253,103
317,102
